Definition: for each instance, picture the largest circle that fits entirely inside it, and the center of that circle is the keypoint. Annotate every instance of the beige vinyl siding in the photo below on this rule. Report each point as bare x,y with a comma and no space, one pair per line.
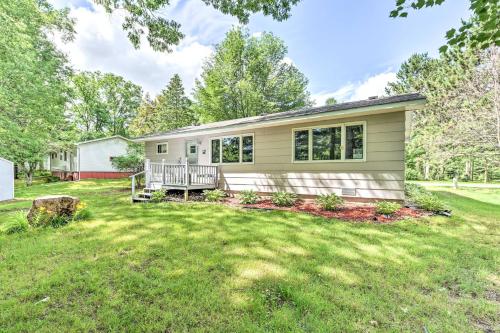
381,176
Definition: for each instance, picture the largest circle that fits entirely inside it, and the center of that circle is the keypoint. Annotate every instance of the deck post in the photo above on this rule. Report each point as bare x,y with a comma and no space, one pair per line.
216,176
186,180
163,172
147,175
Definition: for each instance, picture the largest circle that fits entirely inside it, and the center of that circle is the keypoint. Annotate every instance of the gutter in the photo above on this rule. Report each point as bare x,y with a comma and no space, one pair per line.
367,110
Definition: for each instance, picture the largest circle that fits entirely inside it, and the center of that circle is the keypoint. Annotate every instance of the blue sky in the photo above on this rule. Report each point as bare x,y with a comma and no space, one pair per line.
347,49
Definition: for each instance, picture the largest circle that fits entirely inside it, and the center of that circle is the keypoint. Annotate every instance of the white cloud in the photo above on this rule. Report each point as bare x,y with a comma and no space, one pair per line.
372,86
101,44
288,61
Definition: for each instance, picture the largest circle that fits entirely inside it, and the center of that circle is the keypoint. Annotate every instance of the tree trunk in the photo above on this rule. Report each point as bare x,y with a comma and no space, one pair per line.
468,169
486,176
29,177
427,170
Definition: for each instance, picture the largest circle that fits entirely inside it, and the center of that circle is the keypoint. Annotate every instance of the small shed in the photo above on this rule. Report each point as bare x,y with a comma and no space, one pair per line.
6,179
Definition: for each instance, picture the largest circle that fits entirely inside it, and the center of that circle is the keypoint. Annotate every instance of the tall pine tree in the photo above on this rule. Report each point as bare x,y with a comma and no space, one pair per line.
171,109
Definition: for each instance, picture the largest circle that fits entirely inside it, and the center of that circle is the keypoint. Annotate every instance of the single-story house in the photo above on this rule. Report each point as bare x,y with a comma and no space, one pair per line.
90,159
6,179
354,149
62,163
94,157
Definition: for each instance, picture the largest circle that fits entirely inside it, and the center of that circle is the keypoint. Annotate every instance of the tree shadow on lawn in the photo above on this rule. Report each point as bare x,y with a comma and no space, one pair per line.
209,267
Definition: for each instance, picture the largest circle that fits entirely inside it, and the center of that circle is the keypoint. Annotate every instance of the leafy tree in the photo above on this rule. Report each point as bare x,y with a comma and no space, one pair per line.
248,76
122,99
88,110
103,104
147,120
479,31
144,18
171,109
133,161
459,125
412,75
33,76
331,101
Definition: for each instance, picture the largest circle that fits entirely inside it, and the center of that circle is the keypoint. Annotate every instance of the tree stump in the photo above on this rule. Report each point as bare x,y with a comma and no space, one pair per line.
60,205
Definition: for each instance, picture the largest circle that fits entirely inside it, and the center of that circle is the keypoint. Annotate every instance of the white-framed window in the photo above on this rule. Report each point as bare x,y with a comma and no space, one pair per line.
162,148
232,149
343,142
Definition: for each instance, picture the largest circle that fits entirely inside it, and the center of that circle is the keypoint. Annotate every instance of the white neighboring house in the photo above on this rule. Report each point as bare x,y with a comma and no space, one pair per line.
62,163
94,157
90,159
6,179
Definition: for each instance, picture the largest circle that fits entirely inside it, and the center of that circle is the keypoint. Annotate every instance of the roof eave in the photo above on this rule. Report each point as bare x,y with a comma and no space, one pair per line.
361,111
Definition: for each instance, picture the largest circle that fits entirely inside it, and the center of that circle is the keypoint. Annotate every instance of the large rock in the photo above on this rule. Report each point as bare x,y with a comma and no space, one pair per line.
56,204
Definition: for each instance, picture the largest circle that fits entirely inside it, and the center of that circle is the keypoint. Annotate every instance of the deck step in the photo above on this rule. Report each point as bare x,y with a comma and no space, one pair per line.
139,199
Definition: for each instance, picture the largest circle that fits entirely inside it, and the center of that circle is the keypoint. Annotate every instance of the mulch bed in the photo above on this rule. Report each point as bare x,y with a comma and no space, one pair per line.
356,212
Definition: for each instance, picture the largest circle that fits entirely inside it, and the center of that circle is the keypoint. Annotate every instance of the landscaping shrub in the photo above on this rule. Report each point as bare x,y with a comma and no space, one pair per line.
429,202
214,195
412,190
422,198
283,199
82,212
412,174
158,196
17,225
387,207
52,179
48,218
329,201
248,197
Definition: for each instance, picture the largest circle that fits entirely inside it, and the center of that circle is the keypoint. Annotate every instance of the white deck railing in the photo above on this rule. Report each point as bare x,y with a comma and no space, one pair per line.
181,175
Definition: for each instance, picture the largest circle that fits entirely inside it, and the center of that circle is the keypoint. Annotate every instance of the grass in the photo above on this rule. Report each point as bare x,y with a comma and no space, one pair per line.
205,267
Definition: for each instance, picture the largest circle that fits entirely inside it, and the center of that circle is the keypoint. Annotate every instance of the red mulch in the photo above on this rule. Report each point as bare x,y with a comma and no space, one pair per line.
349,212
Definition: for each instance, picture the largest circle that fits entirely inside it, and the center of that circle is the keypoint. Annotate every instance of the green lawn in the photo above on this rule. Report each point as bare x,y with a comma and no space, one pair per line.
202,267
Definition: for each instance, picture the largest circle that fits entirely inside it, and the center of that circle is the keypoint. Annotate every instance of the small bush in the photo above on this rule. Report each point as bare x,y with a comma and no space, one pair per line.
387,207
283,199
48,218
158,196
82,212
52,179
329,201
429,202
214,195
412,174
422,198
412,190
18,224
248,197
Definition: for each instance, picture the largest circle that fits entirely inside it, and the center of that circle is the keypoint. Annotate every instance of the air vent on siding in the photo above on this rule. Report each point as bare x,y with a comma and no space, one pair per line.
351,192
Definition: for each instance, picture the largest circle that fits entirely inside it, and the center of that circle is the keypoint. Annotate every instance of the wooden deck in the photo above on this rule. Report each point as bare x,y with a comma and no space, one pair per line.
171,176
182,176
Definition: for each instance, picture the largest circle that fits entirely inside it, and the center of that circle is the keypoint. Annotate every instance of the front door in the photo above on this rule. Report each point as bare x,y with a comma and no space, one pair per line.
192,152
